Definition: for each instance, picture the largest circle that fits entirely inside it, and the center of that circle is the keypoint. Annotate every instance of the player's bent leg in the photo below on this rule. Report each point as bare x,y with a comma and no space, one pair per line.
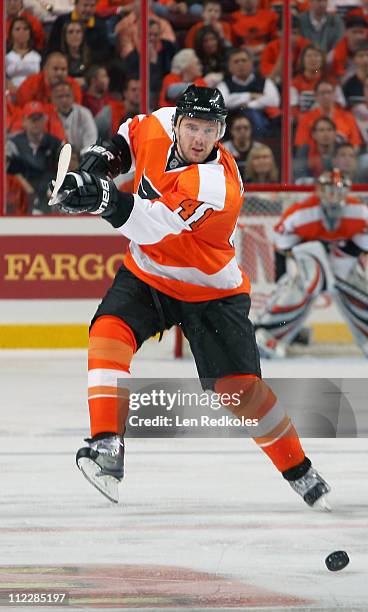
275,435
112,345
285,312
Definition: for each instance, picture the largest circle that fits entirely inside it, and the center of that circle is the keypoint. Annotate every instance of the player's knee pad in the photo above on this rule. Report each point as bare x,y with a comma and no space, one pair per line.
112,344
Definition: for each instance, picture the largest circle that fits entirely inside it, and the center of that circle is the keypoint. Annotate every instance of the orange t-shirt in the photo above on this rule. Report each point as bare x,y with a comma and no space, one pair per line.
182,224
171,79
271,53
190,37
35,87
343,119
253,30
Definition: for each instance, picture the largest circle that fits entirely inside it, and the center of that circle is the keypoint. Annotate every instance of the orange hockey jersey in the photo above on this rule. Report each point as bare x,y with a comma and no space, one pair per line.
305,221
184,217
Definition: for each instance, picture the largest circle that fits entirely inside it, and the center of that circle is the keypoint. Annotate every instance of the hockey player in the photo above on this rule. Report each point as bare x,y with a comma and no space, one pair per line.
325,238
180,269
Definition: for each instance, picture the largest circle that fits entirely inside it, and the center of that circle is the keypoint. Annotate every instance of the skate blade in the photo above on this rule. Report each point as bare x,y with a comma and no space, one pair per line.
322,505
107,485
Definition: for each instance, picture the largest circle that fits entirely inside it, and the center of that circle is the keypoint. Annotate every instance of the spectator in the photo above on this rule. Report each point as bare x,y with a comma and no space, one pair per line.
341,57
38,86
321,28
74,47
243,87
271,57
77,121
354,87
312,70
161,53
241,140
97,93
346,160
127,30
95,30
33,155
360,112
261,166
361,10
21,59
14,8
317,157
211,16
253,27
112,115
347,129
211,53
185,69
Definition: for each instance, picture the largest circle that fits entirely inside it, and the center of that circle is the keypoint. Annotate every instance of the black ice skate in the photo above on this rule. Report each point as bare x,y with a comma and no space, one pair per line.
102,463
313,489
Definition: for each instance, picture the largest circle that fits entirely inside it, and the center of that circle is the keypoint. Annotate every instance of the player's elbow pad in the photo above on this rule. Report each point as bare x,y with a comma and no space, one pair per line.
110,158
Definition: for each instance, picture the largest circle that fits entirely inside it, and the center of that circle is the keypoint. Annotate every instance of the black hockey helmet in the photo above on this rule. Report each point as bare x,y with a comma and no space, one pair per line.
202,103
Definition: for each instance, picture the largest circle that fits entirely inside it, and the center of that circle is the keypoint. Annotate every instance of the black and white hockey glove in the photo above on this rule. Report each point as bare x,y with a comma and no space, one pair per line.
85,193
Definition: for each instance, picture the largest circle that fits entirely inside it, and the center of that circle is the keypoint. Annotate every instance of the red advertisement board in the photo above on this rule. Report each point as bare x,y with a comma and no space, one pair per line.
58,267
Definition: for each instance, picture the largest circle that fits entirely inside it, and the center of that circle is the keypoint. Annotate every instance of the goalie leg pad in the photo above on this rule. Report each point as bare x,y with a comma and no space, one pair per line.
352,299
288,307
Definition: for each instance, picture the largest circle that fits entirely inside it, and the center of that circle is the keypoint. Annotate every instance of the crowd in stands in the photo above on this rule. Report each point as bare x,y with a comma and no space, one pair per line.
72,75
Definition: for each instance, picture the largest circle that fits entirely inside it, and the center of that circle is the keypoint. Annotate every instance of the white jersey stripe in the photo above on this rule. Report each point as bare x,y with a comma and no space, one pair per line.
228,278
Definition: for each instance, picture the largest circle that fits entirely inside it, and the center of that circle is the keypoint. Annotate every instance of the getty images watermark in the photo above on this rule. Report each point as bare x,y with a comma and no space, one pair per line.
171,401
319,408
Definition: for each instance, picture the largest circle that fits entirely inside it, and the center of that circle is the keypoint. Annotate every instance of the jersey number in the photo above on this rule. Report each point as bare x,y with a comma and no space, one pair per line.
190,209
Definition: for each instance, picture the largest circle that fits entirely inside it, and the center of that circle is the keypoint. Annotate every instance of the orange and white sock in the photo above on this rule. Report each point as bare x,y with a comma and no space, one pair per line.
112,345
275,433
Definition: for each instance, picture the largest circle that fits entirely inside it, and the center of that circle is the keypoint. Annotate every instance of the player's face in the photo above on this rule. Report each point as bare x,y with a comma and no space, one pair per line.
195,138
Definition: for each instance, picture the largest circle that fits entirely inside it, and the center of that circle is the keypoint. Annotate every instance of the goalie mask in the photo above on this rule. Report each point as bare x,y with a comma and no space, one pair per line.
333,189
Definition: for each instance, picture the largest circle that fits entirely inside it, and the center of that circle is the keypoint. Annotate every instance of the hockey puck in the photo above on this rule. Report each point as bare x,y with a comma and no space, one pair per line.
337,560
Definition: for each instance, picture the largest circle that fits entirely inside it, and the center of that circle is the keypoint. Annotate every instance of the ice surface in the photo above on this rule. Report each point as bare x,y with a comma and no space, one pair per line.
203,524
